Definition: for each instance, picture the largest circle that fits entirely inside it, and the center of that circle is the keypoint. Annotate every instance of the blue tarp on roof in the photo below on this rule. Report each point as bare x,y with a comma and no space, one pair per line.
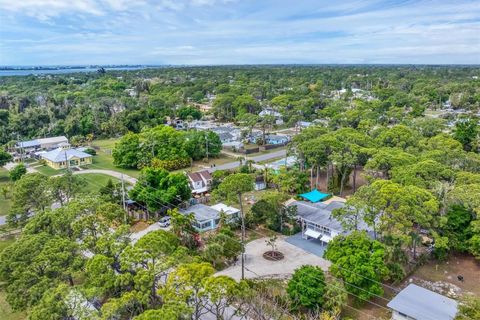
314,195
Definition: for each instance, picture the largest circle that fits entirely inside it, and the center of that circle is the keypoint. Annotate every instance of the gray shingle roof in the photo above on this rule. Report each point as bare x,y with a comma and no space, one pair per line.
423,304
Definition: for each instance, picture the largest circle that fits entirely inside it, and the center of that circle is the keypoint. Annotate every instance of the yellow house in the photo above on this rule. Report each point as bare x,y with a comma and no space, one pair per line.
65,157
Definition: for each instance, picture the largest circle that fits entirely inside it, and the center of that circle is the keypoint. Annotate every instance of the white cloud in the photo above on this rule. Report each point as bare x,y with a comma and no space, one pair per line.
250,31
44,9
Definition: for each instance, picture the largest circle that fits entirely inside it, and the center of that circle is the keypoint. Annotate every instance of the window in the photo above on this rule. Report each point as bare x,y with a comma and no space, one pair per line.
206,225
319,228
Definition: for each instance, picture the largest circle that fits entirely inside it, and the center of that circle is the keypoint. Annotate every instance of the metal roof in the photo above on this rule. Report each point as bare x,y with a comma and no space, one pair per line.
420,303
28,144
317,213
227,209
41,141
202,212
49,140
59,154
321,213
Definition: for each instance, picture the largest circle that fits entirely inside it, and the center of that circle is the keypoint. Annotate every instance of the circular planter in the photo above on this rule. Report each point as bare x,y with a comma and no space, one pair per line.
273,255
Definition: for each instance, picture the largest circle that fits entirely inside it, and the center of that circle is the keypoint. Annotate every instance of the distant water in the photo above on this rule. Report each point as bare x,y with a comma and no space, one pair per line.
59,70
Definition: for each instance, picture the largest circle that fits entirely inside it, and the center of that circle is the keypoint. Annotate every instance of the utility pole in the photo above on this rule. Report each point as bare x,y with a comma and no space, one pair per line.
206,143
20,143
66,160
123,200
243,234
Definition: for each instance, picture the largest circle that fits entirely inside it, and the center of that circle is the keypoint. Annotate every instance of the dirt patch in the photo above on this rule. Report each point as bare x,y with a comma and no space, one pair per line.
139,226
442,277
273,255
322,182
437,276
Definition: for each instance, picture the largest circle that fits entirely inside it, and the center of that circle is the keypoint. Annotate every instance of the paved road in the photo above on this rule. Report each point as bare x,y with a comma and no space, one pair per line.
259,158
111,173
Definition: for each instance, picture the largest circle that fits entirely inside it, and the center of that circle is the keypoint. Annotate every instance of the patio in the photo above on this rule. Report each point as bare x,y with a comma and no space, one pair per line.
313,246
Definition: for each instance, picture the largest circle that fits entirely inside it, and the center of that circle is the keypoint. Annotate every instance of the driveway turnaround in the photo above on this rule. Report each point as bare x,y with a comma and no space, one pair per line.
258,267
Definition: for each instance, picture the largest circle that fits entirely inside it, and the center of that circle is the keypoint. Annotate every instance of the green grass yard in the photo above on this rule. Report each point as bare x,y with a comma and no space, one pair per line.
4,203
104,159
6,312
47,171
95,181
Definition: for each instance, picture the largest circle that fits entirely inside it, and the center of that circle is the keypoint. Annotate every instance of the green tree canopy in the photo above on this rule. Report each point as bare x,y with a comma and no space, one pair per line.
307,287
360,262
158,188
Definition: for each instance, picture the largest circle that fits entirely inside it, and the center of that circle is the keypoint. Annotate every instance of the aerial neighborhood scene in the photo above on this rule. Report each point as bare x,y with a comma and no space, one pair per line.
239,159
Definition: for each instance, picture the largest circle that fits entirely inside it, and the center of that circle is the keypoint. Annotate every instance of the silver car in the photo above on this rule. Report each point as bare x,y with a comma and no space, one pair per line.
164,221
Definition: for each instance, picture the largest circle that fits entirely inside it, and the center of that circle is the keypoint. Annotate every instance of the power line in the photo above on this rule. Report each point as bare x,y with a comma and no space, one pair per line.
263,235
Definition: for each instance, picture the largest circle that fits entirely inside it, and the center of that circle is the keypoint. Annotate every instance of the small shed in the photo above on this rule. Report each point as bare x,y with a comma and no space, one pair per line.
415,302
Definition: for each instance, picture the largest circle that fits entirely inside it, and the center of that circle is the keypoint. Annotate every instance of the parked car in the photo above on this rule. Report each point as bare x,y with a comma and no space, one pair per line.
164,221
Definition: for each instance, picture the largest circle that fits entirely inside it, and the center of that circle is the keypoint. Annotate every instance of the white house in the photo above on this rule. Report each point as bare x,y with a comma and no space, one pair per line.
317,221
208,217
200,182
271,112
417,303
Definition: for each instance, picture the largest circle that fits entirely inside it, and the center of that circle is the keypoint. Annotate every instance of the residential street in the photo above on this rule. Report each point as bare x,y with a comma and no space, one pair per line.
259,158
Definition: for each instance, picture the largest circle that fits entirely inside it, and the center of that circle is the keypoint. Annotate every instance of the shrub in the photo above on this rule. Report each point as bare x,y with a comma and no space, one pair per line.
170,165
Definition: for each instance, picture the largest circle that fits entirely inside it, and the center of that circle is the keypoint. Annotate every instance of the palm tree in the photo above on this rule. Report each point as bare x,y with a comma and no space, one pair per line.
240,159
249,163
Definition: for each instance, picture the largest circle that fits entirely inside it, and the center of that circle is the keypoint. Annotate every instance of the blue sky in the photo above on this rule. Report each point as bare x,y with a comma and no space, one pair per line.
52,32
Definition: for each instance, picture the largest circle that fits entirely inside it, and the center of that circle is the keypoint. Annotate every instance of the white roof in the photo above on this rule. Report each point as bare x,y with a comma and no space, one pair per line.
269,112
326,238
420,303
40,141
58,139
59,155
200,190
312,233
225,208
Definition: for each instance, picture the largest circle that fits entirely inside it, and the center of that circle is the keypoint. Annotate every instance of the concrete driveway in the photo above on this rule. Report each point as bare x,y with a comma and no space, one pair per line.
137,235
259,267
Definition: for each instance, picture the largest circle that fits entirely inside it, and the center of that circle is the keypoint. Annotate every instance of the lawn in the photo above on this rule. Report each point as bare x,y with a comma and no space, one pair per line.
6,312
105,143
104,159
95,181
4,203
47,171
